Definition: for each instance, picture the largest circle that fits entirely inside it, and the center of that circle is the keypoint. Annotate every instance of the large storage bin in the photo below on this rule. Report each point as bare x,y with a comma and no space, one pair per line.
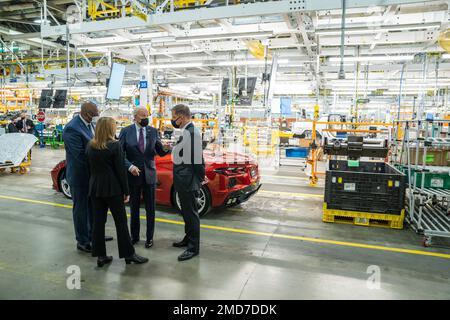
365,187
434,179
297,152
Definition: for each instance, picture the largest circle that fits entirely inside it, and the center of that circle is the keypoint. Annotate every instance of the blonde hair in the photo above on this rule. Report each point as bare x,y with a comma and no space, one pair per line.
105,131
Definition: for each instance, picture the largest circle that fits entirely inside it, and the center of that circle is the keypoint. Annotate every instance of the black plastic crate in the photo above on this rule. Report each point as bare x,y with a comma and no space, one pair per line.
369,187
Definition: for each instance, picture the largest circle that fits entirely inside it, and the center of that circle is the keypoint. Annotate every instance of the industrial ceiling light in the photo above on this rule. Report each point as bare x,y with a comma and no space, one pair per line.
115,44
163,39
372,58
175,65
365,30
249,62
242,35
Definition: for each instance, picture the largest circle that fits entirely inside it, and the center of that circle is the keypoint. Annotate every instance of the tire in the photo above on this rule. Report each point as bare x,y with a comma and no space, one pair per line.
205,199
63,185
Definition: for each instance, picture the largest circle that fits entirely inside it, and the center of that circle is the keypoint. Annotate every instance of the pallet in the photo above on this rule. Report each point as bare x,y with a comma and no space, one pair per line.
366,219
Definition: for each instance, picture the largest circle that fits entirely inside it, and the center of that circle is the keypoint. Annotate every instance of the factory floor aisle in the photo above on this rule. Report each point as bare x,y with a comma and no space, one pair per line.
274,246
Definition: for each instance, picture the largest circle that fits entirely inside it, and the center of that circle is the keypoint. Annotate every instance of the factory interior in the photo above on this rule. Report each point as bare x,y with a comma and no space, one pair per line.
325,137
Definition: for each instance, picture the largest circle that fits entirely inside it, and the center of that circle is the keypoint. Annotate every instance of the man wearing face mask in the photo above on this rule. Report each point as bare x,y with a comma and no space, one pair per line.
188,176
140,143
25,125
77,134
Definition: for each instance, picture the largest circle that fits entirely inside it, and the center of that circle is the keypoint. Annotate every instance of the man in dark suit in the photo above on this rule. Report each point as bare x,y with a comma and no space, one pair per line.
25,125
77,134
12,126
188,175
141,143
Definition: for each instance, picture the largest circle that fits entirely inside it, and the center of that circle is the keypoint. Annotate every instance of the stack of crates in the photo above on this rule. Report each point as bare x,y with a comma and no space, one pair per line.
364,193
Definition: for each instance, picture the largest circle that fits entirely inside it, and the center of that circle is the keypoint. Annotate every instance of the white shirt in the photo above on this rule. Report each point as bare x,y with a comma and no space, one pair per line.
87,125
186,125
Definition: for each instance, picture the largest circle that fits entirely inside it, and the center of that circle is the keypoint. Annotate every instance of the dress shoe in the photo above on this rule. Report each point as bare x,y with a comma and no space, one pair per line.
135,258
108,238
187,255
180,244
149,244
101,261
133,242
85,248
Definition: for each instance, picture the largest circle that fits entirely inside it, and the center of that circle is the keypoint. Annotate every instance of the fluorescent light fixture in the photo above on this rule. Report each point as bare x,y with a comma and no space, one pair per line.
115,44
176,65
372,58
163,39
41,21
249,62
242,35
376,29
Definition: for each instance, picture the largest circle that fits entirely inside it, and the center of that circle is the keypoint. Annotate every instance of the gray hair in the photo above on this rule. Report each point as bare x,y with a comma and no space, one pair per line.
136,110
183,110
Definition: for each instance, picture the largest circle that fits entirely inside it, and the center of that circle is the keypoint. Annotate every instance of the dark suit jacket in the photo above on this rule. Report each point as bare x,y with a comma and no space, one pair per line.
188,175
28,122
12,128
133,155
108,175
76,136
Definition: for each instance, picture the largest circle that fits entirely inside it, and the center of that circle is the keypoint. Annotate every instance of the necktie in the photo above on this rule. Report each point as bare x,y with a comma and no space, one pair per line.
141,140
90,128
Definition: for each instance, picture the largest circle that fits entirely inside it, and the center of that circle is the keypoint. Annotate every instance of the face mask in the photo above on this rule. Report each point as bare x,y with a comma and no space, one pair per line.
144,122
174,123
95,119
92,116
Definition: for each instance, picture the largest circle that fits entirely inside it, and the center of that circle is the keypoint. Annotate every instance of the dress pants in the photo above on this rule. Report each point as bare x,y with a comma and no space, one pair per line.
82,214
117,207
148,192
189,211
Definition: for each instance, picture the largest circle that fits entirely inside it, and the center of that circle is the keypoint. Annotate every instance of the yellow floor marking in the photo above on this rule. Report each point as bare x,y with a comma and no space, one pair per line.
37,201
307,195
267,234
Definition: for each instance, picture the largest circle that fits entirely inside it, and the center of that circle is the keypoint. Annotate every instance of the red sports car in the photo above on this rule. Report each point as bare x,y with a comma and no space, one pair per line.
232,178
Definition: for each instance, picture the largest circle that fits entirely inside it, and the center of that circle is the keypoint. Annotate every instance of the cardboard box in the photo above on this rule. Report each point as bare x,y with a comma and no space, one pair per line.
434,157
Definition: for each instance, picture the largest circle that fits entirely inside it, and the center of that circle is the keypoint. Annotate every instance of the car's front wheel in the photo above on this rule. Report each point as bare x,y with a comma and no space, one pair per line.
64,185
203,201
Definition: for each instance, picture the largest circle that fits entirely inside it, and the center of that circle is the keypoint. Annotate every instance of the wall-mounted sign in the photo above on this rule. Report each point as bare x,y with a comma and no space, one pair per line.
143,84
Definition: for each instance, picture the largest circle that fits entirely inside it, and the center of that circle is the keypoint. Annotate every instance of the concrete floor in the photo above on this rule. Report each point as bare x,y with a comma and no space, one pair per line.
260,255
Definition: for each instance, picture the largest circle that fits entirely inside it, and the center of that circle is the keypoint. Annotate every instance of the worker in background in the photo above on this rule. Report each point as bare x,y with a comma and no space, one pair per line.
140,143
188,175
25,124
108,189
77,134
12,126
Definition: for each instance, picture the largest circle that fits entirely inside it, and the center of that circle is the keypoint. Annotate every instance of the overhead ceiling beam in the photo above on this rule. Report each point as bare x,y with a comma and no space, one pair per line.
222,12
387,15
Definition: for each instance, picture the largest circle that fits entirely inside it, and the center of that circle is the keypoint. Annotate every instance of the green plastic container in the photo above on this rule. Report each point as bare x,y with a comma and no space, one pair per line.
437,180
